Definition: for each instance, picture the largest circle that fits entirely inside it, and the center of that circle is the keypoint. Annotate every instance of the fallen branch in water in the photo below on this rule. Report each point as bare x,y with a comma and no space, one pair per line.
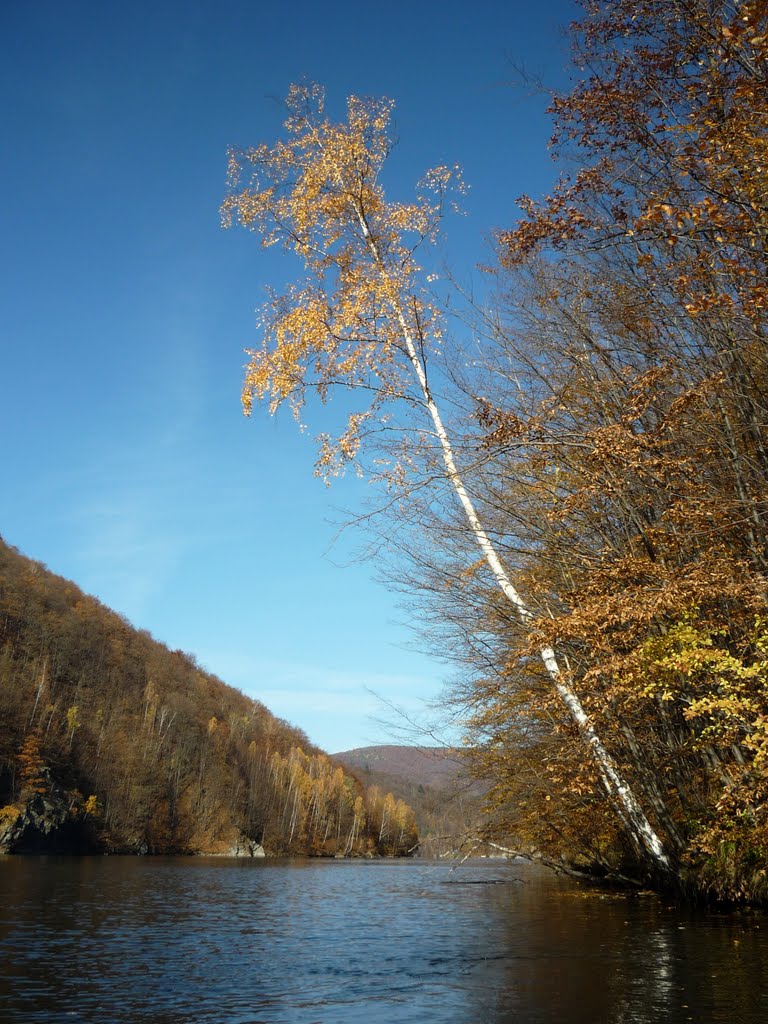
562,868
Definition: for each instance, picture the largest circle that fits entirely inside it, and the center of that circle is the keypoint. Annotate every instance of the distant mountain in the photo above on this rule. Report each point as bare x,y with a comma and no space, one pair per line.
438,767
434,781
112,742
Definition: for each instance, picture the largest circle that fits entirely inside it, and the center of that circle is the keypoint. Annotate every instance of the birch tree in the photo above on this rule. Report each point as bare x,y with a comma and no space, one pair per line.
362,319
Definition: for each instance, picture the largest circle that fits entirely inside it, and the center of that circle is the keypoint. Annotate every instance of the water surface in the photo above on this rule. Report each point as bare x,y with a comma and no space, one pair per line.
176,940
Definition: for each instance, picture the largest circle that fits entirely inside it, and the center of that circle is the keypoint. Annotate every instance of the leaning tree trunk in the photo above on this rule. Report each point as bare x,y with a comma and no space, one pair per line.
638,827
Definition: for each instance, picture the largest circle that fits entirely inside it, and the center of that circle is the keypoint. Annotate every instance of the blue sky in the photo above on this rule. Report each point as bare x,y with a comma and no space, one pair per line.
127,464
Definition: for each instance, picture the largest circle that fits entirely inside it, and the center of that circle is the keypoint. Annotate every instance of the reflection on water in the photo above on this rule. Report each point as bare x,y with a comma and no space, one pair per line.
172,940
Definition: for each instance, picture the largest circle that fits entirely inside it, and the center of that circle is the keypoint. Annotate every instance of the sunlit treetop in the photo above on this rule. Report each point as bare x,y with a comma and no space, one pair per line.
668,123
317,192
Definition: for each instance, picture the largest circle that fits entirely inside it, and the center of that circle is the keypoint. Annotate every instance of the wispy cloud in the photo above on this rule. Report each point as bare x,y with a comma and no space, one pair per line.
125,551
337,708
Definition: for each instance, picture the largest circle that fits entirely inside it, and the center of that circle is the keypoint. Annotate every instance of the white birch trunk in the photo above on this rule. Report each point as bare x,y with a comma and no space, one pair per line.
640,830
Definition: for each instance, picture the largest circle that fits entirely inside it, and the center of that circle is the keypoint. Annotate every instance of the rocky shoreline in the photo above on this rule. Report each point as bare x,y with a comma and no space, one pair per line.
59,822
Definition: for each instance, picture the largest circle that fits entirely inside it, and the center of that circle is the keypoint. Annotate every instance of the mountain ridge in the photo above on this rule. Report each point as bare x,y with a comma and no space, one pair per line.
438,767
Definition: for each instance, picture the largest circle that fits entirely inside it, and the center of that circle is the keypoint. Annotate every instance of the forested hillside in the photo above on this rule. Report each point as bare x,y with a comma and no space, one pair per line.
111,741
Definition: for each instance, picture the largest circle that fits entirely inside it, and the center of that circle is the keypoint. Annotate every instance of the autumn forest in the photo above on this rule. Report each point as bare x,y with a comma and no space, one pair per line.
570,470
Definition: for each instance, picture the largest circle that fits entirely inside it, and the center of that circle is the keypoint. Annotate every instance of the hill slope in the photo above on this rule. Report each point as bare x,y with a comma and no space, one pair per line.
439,767
110,741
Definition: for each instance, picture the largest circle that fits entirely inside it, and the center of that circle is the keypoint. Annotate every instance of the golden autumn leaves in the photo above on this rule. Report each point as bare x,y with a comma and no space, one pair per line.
317,193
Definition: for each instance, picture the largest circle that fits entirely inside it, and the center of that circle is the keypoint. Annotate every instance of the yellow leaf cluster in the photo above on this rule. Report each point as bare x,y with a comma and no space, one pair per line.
317,193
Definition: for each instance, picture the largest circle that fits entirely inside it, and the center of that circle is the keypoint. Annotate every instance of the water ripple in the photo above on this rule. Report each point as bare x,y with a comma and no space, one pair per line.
171,941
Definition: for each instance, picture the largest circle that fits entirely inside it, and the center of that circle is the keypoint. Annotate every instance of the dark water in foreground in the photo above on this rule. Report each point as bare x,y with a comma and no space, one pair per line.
169,940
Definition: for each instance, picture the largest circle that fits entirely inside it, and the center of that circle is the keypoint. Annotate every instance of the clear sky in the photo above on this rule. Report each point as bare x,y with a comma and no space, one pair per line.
127,464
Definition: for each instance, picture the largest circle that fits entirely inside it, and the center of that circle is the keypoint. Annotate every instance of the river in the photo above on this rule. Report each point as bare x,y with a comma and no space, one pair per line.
177,940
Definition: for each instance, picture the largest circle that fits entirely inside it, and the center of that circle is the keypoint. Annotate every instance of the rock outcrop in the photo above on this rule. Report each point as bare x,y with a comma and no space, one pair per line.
44,823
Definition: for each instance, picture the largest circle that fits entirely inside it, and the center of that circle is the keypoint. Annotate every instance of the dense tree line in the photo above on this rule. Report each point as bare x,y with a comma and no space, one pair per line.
146,752
623,422
582,494
618,423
